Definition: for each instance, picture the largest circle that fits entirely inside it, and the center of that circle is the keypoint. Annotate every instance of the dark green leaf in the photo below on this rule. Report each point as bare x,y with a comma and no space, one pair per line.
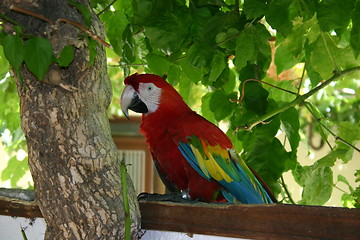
14,50
290,123
334,14
217,66
200,55
174,74
268,158
194,74
66,56
245,49
128,51
254,8
113,31
220,104
158,64
185,88
169,32
277,16
355,30
205,108
255,98
38,56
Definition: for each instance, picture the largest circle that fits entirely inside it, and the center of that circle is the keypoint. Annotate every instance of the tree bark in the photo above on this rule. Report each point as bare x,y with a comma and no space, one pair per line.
73,160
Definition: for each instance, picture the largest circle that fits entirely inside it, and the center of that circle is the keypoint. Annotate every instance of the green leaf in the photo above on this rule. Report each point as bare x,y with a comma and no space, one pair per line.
217,66
318,186
343,179
334,14
205,108
284,59
255,98
66,56
185,88
85,12
330,159
158,64
355,30
194,74
200,55
128,50
265,157
245,49
254,8
92,50
220,104
169,29
14,50
357,176
321,60
4,69
348,200
14,171
174,74
290,123
277,16
38,56
113,31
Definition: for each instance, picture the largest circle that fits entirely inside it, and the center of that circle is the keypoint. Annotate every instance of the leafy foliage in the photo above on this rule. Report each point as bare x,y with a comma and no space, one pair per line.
256,59
222,45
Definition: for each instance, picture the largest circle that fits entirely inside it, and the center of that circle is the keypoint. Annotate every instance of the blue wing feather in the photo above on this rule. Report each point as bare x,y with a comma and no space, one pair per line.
242,188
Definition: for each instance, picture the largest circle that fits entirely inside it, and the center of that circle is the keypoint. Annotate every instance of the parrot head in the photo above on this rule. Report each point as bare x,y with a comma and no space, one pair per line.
145,93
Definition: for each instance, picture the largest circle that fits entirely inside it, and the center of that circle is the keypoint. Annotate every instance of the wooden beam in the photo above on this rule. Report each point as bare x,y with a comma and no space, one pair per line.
270,221
18,208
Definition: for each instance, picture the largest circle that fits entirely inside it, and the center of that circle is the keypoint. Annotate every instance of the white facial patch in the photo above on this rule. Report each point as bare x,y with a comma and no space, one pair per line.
150,95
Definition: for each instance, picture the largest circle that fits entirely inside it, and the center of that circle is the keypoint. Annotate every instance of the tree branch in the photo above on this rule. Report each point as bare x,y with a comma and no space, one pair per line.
298,100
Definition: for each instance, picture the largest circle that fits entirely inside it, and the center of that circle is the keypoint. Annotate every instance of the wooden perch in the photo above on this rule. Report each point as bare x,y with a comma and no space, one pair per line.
264,221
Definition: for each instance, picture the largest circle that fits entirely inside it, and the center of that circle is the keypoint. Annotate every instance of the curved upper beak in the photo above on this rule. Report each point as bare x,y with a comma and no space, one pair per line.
130,100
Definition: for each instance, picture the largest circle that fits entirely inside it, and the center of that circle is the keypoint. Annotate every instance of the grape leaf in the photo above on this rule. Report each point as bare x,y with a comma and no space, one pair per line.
66,56
14,50
220,104
245,49
254,8
290,123
158,64
317,186
217,66
355,30
334,14
38,56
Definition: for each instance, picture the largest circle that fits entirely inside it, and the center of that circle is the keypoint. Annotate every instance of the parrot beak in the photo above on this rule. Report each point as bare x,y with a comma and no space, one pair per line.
130,100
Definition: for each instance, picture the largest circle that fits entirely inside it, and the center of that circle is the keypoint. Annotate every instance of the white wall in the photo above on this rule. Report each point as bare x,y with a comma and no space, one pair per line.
10,229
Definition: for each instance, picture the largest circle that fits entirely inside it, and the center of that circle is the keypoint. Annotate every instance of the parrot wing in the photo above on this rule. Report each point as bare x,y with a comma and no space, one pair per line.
217,161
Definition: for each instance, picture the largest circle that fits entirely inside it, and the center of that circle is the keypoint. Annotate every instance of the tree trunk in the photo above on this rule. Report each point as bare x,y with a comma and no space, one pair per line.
73,160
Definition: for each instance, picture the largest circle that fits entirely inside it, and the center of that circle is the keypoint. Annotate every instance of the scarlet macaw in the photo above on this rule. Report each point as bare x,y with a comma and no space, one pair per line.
191,154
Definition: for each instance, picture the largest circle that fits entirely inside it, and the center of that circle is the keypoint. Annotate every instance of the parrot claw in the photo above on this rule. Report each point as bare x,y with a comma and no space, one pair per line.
170,197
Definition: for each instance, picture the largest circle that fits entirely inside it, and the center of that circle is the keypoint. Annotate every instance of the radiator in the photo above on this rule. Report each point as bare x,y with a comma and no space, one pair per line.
135,165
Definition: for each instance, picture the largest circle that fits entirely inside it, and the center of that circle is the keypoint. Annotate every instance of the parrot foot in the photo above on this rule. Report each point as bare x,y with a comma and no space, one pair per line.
170,197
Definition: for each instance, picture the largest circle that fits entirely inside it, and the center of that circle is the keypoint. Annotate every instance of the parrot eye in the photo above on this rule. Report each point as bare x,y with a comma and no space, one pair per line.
149,88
